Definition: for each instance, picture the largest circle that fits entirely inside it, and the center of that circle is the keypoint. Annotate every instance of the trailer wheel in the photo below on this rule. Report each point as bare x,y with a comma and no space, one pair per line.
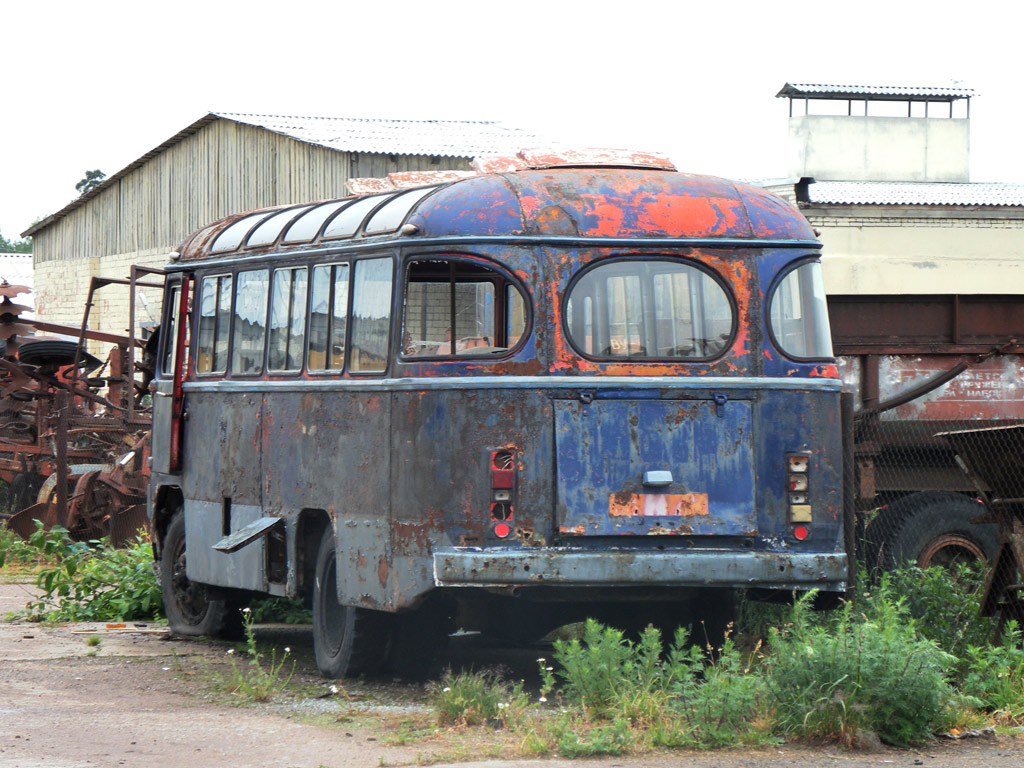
192,608
931,528
347,640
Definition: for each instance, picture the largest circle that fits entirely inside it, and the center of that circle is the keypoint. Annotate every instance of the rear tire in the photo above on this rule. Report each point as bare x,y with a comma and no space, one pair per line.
931,528
347,641
192,609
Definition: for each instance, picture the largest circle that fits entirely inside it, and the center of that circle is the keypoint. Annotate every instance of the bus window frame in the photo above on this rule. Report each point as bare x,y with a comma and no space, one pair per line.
291,267
200,280
385,371
313,266
259,373
500,299
769,302
647,257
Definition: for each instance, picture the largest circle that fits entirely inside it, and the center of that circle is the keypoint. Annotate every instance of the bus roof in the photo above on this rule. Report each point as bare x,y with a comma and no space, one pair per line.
605,202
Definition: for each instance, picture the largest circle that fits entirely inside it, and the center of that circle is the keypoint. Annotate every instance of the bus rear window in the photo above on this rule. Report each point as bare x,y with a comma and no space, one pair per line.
799,314
653,309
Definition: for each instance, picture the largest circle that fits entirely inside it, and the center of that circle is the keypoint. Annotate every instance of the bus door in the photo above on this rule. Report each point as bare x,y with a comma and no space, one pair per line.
632,465
167,395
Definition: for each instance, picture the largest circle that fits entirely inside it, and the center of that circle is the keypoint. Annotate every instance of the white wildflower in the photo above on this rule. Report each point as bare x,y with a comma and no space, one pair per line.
287,649
245,610
542,699
334,689
446,690
230,651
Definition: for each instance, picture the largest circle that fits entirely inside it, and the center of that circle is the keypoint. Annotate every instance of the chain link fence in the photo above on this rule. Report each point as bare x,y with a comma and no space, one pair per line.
942,493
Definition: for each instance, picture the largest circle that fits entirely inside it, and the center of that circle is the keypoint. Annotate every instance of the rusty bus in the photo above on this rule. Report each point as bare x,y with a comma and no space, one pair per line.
560,387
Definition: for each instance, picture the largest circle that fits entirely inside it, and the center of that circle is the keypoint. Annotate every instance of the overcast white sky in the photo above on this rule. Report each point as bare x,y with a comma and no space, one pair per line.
97,84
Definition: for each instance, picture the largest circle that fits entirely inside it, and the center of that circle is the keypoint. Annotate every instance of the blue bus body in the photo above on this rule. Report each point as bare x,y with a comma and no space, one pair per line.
541,393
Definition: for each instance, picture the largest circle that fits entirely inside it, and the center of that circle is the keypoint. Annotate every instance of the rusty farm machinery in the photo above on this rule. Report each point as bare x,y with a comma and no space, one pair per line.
74,430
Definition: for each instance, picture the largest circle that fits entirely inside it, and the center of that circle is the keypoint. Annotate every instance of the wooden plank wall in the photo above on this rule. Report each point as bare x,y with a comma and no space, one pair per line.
223,168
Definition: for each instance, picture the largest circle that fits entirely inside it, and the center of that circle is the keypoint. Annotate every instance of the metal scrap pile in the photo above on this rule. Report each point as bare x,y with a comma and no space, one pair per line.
74,430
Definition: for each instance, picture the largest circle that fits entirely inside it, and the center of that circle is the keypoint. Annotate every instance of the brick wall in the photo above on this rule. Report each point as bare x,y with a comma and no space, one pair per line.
62,288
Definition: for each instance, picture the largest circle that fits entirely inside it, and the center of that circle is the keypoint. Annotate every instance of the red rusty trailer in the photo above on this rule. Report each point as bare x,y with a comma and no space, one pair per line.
919,365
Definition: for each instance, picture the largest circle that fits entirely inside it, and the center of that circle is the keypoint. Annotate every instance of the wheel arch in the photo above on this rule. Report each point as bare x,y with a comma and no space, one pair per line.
309,530
167,500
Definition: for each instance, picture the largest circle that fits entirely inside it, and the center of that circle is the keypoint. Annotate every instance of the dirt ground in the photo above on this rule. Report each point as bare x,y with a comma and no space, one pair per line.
141,700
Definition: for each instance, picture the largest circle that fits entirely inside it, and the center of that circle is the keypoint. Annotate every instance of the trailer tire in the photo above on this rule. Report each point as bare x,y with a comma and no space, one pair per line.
347,640
930,528
192,609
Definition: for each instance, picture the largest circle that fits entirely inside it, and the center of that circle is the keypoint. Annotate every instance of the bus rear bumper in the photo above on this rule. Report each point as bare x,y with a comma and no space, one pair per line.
475,567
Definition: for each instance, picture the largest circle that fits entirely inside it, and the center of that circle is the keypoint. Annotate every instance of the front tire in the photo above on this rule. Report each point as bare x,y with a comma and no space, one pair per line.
347,641
191,607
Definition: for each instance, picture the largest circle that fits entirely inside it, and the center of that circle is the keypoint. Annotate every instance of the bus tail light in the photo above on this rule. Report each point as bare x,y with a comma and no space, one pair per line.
797,486
503,483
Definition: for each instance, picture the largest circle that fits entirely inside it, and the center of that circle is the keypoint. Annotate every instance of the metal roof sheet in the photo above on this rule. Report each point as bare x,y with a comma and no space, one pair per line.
879,92
441,138
915,193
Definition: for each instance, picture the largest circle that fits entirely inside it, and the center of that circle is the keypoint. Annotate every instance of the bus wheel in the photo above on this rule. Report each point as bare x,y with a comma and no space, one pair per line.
931,528
347,640
190,607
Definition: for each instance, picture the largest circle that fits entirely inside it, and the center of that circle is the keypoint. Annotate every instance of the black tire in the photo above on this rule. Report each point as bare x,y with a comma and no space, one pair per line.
192,609
420,637
930,528
347,641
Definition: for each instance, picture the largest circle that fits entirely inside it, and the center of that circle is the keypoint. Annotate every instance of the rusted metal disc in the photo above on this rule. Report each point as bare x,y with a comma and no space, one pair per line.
8,307
9,329
10,291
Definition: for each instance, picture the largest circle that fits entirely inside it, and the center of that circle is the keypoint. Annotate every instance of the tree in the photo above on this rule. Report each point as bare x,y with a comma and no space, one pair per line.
15,246
90,182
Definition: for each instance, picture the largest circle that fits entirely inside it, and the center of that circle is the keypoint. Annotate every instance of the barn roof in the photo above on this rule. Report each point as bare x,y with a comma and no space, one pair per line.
440,138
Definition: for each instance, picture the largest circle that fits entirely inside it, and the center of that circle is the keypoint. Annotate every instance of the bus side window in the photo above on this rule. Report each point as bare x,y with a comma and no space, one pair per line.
371,315
460,308
169,332
214,323
287,319
249,336
328,318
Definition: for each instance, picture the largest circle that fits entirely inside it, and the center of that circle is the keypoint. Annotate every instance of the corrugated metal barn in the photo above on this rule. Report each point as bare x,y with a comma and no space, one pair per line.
219,165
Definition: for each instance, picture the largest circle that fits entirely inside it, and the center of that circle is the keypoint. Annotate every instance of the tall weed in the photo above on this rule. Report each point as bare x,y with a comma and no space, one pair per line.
92,581
831,679
995,675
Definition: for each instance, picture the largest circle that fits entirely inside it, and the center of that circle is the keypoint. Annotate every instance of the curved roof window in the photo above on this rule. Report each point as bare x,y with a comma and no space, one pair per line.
231,238
346,223
391,215
267,232
308,224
